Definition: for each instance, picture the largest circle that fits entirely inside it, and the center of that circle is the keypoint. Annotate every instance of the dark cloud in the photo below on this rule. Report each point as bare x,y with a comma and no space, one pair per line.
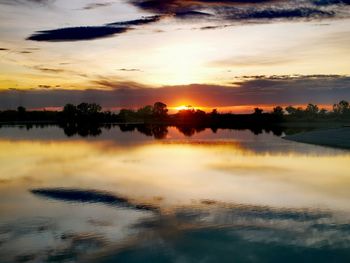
77,33
270,14
91,32
44,86
212,27
4,49
244,10
97,5
211,10
331,2
50,70
174,6
89,196
40,1
192,15
24,2
137,22
248,90
294,77
130,69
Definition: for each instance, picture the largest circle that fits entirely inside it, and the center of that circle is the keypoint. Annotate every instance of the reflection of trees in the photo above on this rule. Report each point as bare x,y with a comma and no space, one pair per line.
157,131
82,130
278,131
145,129
186,130
160,132
214,129
127,127
256,130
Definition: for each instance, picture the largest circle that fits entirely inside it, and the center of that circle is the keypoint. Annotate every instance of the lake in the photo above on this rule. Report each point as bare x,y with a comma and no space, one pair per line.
166,194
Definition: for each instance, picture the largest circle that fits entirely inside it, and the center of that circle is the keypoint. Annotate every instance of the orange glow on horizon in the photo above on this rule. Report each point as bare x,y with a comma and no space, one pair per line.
236,109
241,109
185,107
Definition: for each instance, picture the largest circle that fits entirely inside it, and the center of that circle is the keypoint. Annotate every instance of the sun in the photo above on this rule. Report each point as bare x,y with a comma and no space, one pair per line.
184,107
187,107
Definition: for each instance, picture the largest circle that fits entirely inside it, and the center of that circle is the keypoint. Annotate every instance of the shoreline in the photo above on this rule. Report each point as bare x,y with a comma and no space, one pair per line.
336,137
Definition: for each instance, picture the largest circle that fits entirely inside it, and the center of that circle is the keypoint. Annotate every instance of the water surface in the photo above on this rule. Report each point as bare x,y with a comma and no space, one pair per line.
166,194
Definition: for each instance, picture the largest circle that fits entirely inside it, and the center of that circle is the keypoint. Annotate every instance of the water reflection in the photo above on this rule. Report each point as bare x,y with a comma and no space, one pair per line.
154,130
216,196
90,196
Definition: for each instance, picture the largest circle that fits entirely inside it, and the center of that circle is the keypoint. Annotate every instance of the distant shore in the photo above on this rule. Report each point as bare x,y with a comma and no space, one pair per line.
337,137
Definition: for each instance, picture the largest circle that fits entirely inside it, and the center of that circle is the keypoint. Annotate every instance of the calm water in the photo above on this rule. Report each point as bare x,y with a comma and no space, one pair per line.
164,195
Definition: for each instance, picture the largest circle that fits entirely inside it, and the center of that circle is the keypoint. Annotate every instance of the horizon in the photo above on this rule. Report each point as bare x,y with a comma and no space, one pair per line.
241,109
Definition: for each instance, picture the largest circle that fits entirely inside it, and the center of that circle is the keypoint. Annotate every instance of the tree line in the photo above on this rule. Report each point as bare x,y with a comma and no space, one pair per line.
92,113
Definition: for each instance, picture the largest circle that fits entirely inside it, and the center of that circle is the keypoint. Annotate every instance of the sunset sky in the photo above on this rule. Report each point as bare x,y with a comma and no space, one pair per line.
225,54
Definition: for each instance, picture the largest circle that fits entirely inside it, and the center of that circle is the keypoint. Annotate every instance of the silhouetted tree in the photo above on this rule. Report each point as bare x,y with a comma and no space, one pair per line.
311,109
146,110
295,112
258,111
214,112
126,115
69,112
342,107
200,113
88,108
21,112
160,109
21,109
291,110
322,112
278,110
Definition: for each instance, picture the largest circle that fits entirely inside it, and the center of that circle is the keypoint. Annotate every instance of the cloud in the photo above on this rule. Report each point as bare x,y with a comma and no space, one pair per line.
90,32
249,60
212,27
89,196
24,2
192,15
97,5
44,86
277,13
248,90
263,10
174,6
77,33
235,229
211,10
130,69
137,22
331,2
50,70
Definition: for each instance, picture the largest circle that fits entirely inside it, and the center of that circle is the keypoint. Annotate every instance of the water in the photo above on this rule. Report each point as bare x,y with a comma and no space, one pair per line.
170,195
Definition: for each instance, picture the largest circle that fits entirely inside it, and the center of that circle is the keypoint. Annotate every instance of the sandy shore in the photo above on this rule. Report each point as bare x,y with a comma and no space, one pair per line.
339,137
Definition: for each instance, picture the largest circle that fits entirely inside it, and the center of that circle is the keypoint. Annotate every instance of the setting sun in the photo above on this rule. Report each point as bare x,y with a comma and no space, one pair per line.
185,107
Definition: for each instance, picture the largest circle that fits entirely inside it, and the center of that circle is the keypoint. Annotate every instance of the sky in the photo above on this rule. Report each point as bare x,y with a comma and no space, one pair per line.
225,54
